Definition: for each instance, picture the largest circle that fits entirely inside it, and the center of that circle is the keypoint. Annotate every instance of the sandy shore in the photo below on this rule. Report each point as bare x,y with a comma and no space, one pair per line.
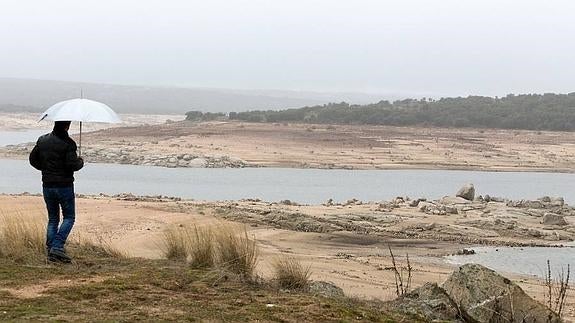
344,244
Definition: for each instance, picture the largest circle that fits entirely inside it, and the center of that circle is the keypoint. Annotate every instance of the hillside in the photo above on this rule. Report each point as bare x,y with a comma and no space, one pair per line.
36,95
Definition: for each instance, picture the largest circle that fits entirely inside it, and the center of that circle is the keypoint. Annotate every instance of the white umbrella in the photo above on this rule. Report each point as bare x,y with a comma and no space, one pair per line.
82,110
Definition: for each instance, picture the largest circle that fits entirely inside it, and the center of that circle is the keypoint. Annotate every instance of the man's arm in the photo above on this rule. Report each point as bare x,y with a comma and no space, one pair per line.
73,162
34,158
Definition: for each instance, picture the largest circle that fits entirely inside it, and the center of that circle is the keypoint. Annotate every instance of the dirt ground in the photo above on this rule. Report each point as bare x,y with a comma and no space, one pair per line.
353,147
359,262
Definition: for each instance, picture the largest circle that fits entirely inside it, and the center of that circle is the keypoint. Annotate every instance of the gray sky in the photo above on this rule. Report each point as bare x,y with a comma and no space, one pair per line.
424,47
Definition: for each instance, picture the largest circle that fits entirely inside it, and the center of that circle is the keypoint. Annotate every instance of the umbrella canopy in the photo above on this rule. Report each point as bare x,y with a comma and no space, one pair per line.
82,110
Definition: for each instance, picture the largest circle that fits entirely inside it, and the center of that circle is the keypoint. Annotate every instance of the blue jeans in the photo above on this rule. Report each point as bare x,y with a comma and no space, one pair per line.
56,198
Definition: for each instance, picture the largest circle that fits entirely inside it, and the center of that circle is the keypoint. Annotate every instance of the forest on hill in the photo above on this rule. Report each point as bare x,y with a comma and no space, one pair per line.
554,112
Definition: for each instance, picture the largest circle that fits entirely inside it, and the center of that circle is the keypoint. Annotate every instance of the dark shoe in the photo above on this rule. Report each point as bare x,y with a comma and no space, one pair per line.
59,255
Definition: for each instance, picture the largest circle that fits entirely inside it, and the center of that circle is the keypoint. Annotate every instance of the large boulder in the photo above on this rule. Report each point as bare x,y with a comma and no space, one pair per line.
429,302
554,219
467,192
482,295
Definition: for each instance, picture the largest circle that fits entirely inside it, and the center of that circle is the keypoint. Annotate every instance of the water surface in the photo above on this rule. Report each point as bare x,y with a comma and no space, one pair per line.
310,186
21,136
527,261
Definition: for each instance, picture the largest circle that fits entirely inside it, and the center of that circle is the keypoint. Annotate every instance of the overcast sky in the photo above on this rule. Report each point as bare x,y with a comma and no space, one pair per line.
424,47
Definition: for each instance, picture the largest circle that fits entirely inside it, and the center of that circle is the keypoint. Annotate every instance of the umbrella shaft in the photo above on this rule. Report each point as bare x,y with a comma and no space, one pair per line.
80,149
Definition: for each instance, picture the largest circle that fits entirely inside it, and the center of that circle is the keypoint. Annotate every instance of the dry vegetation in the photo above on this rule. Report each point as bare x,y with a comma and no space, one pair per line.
221,247
105,284
557,289
291,274
22,238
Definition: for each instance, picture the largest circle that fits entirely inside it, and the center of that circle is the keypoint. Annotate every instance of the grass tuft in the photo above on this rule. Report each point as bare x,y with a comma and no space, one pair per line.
99,247
22,238
223,247
237,252
201,250
175,243
291,274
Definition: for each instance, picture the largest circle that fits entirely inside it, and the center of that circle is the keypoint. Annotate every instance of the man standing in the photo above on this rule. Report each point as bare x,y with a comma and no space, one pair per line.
55,155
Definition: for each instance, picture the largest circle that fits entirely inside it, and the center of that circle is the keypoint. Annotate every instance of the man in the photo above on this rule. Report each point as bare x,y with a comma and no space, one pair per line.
55,155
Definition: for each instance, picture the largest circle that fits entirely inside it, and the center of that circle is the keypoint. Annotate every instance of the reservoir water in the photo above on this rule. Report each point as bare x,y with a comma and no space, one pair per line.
528,261
18,137
310,186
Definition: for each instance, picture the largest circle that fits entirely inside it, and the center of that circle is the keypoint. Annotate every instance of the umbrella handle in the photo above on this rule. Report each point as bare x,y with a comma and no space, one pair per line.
80,150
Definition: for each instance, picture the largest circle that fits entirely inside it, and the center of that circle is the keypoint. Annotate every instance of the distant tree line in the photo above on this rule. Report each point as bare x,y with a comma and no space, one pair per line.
529,111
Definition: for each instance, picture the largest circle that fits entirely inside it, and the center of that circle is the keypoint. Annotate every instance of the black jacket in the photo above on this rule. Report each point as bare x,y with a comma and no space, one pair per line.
55,155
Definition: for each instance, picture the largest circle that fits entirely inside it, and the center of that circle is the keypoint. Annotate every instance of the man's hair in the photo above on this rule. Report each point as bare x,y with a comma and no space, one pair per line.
62,125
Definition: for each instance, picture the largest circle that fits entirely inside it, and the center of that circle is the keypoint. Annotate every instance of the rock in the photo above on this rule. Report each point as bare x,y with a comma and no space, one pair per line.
487,198
450,200
496,199
430,302
557,201
465,252
467,192
483,295
326,289
450,210
554,219
415,203
527,204
534,233
198,163
545,199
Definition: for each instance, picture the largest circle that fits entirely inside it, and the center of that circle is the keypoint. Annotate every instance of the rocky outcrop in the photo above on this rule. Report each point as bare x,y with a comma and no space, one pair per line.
132,154
554,219
467,192
483,295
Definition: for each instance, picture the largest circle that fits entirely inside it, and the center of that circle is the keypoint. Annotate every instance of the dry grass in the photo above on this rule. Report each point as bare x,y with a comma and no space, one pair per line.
96,246
223,246
175,243
201,251
291,274
22,238
237,252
